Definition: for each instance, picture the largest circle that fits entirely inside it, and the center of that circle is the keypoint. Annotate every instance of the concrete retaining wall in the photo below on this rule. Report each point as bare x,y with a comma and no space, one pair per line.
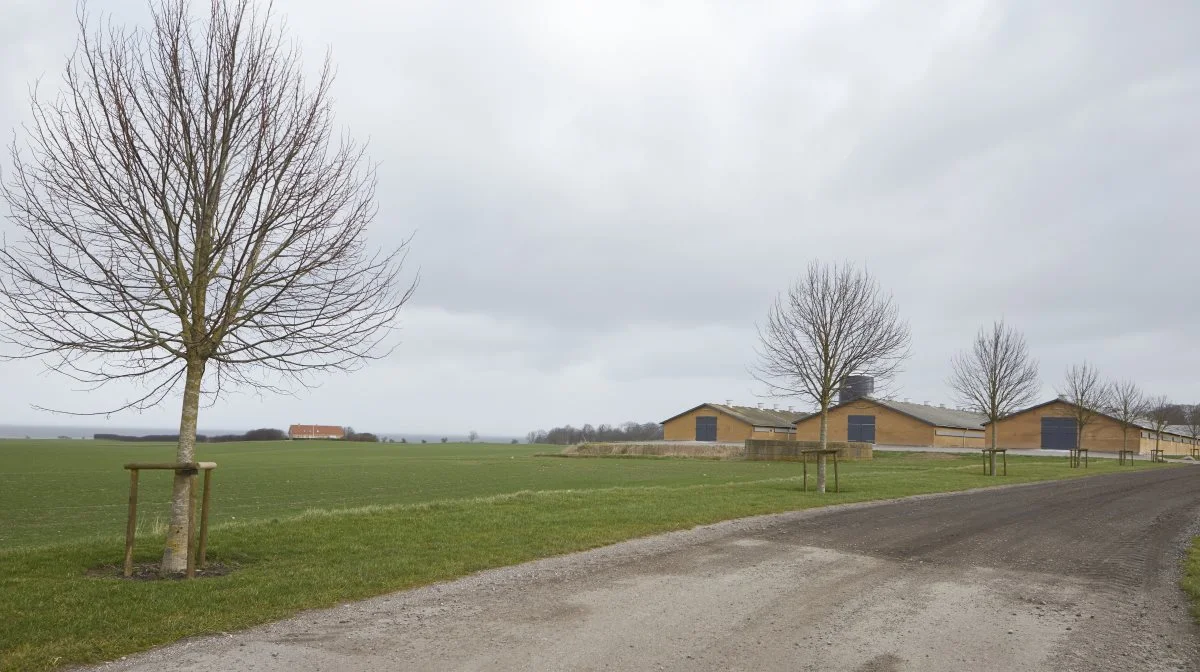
761,449
665,449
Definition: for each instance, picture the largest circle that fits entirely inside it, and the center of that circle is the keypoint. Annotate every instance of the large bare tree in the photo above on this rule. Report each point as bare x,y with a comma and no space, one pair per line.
1127,404
995,377
1088,395
190,221
1159,411
833,322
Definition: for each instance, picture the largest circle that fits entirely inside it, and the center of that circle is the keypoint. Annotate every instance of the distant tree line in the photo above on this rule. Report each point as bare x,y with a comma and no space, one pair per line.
263,434
1177,414
363,437
629,431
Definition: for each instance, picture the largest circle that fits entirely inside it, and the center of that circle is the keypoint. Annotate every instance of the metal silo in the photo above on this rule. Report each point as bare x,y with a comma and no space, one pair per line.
856,387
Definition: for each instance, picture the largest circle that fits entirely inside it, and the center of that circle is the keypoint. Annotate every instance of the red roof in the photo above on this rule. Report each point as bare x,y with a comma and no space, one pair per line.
316,432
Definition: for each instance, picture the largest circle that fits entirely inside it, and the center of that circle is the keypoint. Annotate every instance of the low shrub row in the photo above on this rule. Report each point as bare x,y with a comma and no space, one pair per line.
264,434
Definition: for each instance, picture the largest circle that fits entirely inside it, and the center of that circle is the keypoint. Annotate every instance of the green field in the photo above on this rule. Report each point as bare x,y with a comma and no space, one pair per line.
313,524
56,491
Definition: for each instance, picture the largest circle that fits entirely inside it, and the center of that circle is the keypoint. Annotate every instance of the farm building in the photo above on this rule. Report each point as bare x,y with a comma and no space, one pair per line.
728,423
1051,425
316,432
896,423
1175,439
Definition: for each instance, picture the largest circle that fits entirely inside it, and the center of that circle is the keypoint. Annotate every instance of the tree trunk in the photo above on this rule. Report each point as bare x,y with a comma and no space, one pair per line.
824,445
824,436
1079,444
992,467
174,560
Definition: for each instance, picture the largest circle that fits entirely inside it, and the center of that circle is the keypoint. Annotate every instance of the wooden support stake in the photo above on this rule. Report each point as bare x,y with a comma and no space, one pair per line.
804,459
204,518
131,523
191,548
836,487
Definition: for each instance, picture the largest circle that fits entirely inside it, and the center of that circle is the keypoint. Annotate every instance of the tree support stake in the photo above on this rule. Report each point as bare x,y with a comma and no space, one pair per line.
196,549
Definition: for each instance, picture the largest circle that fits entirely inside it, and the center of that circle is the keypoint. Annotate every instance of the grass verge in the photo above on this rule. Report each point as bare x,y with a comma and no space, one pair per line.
1191,577
55,615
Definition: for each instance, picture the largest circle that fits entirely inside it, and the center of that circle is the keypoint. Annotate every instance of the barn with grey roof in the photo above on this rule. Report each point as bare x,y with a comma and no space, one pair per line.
896,423
728,423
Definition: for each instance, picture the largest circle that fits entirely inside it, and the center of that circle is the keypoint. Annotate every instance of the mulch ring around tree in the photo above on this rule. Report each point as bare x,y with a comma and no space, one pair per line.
148,571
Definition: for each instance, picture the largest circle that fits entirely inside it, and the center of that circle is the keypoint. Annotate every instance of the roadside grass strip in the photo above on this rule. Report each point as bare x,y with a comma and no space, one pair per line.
1190,580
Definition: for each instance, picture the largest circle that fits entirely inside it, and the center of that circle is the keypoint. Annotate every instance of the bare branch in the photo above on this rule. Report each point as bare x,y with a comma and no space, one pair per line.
184,198
1127,405
997,376
832,323
1159,411
1193,422
1088,395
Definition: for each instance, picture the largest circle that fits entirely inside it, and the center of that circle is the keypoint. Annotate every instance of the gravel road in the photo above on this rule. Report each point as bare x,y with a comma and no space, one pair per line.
1076,575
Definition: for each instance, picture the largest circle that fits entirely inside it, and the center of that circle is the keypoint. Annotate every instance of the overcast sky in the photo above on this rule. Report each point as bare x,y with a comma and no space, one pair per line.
606,196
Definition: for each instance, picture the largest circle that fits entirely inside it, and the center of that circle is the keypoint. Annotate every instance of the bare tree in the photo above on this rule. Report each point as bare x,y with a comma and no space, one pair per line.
186,210
996,376
1159,411
1193,425
1127,404
833,322
1088,396
473,436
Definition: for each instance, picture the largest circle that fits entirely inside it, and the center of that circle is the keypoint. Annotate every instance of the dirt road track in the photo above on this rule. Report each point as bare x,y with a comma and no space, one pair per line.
1076,575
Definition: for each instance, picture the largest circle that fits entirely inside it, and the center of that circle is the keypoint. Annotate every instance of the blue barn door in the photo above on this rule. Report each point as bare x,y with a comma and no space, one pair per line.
1058,433
706,428
860,428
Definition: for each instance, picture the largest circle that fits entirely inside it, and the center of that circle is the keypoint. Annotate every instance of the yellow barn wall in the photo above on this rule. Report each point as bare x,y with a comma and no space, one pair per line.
1024,431
729,428
1169,443
960,441
779,434
891,428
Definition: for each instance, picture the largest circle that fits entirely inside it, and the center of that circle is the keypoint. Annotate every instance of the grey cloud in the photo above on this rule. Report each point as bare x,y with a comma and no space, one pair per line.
606,197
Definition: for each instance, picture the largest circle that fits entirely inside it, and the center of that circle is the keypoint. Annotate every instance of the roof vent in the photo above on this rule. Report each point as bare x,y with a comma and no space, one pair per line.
942,405
774,407
760,405
907,400
928,402
729,402
791,408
